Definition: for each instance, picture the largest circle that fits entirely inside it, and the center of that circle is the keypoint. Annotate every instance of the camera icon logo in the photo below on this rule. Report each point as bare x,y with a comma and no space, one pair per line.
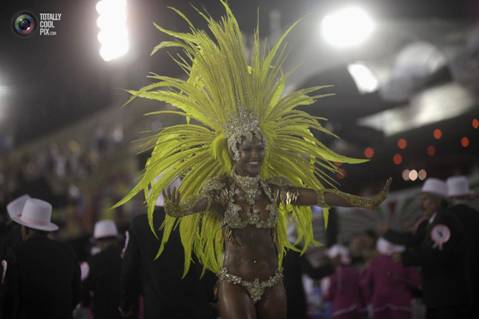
24,24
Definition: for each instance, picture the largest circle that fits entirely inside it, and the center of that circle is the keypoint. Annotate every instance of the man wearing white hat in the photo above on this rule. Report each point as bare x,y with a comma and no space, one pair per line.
459,195
104,268
9,239
438,249
48,273
159,280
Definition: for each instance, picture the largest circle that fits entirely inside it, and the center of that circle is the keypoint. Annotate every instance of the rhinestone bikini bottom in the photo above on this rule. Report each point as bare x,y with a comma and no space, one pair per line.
254,288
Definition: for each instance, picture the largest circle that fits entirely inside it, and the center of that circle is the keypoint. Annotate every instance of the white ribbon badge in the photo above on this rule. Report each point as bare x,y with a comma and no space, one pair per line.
440,235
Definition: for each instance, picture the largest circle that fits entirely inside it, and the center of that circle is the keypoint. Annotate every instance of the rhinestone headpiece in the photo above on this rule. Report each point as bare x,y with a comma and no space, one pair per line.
245,125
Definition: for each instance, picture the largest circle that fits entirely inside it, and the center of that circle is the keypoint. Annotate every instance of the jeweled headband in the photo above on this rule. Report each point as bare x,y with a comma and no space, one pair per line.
245,125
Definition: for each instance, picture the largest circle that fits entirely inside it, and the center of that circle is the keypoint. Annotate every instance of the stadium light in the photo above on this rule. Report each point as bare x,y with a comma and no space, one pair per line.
113,35
347,27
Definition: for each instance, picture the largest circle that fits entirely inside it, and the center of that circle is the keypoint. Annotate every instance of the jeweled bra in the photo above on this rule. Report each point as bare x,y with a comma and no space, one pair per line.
234,216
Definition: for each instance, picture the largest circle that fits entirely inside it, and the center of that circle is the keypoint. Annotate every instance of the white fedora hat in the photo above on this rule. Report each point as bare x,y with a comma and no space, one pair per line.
339,251
105,228
14,208
458,186
435,186
385,247
36,214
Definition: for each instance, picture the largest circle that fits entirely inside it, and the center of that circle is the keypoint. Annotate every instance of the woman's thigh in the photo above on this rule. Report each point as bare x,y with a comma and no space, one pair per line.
273,303
234,302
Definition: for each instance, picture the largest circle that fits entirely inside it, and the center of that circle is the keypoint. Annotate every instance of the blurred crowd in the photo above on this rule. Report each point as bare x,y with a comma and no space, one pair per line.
66,254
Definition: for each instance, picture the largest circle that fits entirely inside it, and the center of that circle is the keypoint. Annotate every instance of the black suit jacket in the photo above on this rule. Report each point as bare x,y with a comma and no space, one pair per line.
48,279
469,218
9,240
443,269
104,282
166,294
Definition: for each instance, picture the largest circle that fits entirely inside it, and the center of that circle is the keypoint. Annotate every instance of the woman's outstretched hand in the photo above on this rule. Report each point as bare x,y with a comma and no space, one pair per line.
382,195
172,201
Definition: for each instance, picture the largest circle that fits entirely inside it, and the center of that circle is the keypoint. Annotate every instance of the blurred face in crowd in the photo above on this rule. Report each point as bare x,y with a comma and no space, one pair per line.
251,157
336,261
357,245
430,204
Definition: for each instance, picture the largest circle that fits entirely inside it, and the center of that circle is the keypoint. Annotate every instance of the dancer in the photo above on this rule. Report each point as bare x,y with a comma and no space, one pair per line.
248,158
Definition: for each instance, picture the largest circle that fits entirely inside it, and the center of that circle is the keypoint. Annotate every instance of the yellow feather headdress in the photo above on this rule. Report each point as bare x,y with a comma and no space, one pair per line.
221,83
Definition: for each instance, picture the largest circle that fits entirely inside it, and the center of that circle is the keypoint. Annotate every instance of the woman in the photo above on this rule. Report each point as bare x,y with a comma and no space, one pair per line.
248,161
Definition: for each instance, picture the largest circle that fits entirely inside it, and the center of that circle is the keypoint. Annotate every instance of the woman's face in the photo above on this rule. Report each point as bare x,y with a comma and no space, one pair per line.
251,157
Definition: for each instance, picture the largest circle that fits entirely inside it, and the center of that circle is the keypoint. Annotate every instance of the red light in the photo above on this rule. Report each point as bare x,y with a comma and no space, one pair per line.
431,150
397,159
402,143
369,152
465,142
475,123
437,133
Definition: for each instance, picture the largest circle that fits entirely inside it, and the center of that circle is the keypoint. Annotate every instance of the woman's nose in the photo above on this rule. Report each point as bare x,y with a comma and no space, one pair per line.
254,154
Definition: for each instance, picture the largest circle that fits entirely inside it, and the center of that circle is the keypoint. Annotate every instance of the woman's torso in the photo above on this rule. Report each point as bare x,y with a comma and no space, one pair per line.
249,232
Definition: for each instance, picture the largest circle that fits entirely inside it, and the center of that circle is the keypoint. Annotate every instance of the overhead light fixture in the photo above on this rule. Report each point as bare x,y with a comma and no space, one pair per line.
402,143
465,142
347,27
113,35
413,175
433,105
422,174
475,123
397,159
437,134
369,152
365,80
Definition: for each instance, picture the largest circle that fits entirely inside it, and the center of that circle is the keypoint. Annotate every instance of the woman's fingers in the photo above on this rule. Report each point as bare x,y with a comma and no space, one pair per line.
176,195
387,186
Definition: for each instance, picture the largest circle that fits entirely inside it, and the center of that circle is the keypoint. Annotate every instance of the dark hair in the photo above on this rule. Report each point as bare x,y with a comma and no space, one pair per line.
371,233
37,232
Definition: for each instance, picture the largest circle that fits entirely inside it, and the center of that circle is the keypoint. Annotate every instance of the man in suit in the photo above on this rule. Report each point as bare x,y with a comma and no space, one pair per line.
459,195
48,275
438,249
9,239
102,283
166,294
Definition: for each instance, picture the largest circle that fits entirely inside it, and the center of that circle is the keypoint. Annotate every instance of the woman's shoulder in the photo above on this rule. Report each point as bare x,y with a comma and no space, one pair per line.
216,183
279,181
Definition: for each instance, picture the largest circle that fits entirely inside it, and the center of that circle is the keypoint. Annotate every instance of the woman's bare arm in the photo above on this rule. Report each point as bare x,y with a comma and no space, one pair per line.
175,208
332,197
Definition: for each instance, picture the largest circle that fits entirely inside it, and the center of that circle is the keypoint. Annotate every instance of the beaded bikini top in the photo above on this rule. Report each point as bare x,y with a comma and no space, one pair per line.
224,190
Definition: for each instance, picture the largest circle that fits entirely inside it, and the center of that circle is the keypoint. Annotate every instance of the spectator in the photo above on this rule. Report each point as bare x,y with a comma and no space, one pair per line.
48,273
343,287
102,283
387,285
